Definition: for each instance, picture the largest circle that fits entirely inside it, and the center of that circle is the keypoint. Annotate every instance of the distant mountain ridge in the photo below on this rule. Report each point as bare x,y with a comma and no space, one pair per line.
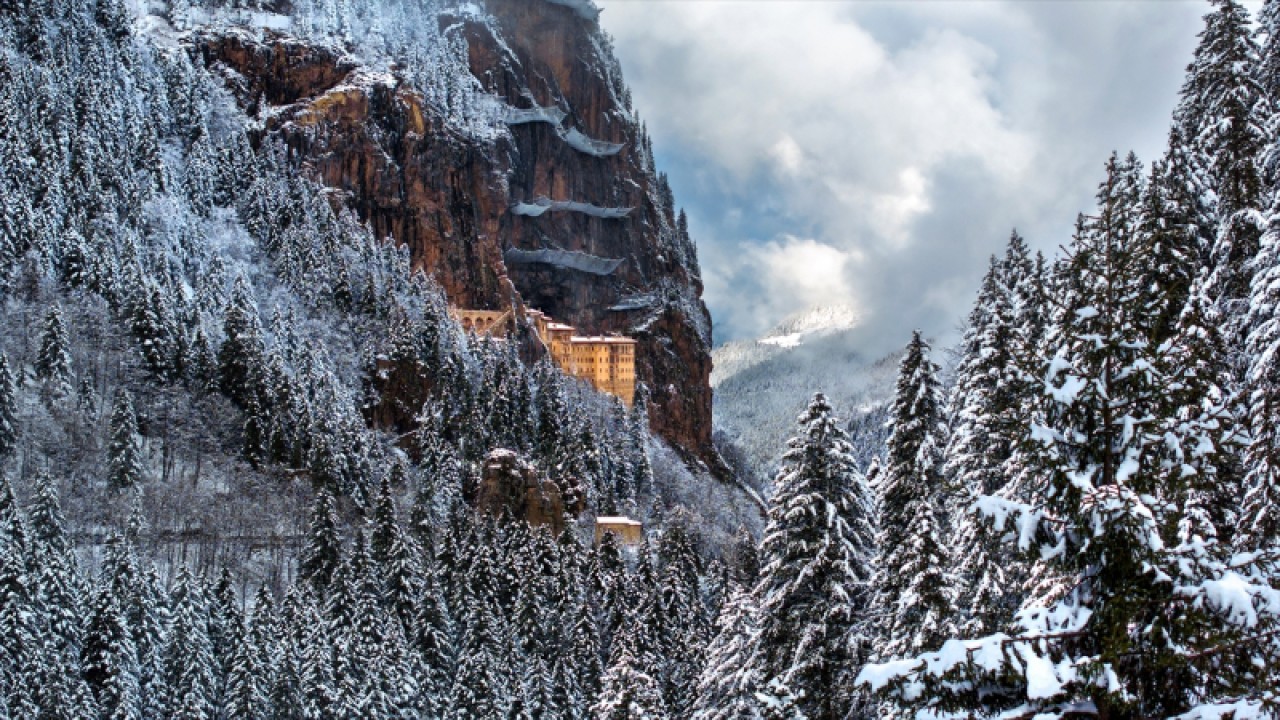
761,385
738,355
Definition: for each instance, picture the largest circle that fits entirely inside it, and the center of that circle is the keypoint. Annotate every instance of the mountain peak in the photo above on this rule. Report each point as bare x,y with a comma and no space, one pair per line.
817,320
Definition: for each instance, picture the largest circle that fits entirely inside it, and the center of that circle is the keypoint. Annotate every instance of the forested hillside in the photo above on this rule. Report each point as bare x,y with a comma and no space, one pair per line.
203,515
1083,521
251,468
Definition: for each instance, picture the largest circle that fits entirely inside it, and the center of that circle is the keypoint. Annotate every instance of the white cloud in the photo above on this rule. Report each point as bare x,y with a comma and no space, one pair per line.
773,279
901,141
788,155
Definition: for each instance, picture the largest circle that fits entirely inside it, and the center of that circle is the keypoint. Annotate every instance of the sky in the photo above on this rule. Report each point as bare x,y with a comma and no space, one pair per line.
876,154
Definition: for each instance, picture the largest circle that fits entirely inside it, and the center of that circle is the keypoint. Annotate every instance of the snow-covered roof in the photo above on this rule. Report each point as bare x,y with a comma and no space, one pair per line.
616,520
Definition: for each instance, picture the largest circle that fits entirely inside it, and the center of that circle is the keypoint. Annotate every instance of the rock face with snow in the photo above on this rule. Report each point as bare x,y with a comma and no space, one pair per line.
450,197
509,484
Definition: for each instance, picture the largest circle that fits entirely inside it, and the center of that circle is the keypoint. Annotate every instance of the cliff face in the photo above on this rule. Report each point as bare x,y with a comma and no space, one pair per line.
450,198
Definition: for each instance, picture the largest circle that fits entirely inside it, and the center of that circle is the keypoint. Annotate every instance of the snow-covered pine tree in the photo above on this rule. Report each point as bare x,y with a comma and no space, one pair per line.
125,466
57,596
1201,431
1267,75
1260,516
1218,118
981,441
8,410
190,675
480,688
726,687
152,324
814,588
628,693
53,363
1167,225
396,558
110,658
977,448
1130,616
433,641
20,661
241,356
679,599
314,645
914,595
323,553
249,675
141,598
226,627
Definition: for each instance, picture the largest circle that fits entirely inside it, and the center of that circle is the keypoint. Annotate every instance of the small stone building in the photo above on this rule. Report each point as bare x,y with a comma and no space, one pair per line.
630,532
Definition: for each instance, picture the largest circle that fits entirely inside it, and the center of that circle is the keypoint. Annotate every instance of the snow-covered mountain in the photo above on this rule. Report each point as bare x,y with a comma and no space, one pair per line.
762,384
734,357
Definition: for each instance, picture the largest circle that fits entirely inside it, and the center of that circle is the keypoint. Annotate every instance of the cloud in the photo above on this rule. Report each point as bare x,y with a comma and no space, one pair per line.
874,154
772,279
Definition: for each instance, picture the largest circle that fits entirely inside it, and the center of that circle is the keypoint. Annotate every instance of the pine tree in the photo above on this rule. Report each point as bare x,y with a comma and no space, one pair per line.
110,659
53,363
986,413
1267,75
1260,517
323,553
57,589
396,558
913,590
479,688
433,640
87,399
979,403
19,653
679,600
637,435
251,670
153,328
628,693
241,357
226,626
584,654
8,411
726,687
125,467
1123,457
1167,226
303,685
814,585
1218,118
190,675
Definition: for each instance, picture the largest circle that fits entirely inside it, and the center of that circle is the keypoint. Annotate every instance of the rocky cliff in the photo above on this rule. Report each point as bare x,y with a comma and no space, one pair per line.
569,169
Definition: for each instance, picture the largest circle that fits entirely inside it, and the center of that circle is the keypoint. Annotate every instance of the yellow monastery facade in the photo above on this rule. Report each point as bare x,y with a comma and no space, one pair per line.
608,362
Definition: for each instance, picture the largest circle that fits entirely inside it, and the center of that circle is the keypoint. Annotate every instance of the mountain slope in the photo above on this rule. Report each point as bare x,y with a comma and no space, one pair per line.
762,385
546,119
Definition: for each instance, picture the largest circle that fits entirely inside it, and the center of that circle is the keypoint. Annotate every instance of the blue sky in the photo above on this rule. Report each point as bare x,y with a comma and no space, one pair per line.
875,154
